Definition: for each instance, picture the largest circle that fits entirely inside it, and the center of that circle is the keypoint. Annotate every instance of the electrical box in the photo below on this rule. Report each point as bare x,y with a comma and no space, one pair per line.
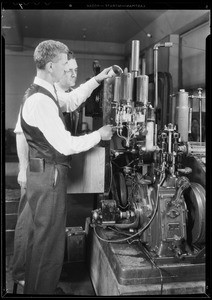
75,244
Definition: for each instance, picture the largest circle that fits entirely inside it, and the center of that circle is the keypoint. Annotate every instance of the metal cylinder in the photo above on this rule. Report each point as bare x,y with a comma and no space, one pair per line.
190,120
150,130
200,120
173,109
142,83
115,71
182,116
135,56
126,87
150,135
117,89
156,78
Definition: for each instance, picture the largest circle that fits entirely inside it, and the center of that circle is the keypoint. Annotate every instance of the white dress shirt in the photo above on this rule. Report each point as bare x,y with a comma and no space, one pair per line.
40,111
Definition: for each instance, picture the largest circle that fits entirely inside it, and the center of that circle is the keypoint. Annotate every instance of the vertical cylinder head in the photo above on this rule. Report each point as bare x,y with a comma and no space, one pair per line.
182,114
150,129
135,56
142,83
117,89
126,86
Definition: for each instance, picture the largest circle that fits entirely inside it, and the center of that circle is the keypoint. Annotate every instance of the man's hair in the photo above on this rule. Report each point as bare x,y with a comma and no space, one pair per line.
71,55
47,51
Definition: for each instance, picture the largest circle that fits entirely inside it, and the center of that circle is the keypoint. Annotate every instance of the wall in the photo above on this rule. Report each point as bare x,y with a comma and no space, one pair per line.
169,27
170,22
19,73
193,44
20,70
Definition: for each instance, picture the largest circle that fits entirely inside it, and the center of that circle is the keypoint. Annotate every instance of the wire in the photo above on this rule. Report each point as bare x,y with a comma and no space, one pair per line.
117,230
145,251
140,231
111,178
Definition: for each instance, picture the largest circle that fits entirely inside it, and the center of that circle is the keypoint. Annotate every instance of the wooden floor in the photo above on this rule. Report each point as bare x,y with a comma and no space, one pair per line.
75,280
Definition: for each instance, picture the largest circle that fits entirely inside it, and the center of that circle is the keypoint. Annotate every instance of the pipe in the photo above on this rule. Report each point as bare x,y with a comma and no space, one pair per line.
200,113
135,56
155,49
182,110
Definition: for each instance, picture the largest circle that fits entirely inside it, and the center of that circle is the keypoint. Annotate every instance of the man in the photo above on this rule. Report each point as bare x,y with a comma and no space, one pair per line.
66,84
50,146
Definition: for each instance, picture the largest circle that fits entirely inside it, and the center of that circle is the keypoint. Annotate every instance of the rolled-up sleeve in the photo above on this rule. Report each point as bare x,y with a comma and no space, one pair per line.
18,128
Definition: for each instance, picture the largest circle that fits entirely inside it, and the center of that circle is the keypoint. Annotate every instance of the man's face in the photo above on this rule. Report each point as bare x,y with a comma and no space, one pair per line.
59,67
69,78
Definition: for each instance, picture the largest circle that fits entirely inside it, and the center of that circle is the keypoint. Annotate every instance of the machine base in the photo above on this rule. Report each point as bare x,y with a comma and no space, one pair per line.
121,269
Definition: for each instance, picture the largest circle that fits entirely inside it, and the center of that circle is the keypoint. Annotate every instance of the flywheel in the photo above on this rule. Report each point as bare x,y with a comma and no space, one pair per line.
121,188
195,202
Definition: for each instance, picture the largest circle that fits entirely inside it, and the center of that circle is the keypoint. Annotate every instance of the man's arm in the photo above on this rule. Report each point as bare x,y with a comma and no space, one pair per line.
71,101
22,151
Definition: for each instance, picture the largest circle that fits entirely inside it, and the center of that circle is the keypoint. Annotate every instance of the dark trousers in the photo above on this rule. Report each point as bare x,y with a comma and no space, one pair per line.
21,239
46,222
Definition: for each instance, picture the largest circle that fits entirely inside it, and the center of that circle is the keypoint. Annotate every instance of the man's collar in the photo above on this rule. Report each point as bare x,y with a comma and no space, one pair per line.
58,88
48,86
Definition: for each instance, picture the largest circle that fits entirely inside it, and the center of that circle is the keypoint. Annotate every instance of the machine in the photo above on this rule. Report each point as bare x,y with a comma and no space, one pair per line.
148,230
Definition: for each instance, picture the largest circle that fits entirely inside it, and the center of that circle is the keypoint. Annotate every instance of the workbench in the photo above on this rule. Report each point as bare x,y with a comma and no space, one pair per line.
119,269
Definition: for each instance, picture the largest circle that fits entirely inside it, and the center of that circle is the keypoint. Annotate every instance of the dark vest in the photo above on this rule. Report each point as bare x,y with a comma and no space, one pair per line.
39,147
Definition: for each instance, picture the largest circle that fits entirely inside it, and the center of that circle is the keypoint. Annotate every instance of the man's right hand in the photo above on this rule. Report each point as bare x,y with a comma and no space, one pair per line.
106,132
22,178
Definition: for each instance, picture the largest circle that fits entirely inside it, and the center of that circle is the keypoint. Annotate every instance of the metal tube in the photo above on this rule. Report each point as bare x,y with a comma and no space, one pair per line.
150,130
170,142
143,72
156,91
173,103
135,56
183,114
190,120
126,87
142,84
117,89
200,120
156,78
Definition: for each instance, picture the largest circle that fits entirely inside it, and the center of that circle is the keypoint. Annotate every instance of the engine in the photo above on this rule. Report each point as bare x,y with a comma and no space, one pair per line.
152,197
